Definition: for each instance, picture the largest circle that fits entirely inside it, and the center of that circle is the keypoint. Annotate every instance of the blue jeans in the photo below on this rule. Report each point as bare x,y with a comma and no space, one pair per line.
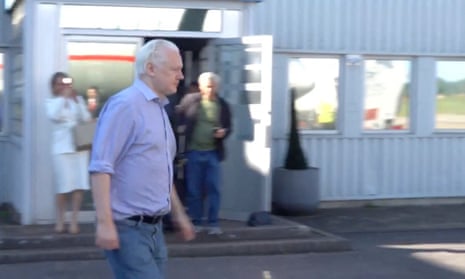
142,253
203,181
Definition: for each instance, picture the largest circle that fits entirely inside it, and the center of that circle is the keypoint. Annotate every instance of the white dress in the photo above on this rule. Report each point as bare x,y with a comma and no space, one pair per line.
70,166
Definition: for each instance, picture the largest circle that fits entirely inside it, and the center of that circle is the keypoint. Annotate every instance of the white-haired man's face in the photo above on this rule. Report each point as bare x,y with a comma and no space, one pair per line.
208,87
165,76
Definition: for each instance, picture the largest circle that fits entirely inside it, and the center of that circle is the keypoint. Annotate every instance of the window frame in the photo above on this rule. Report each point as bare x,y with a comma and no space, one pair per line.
437,130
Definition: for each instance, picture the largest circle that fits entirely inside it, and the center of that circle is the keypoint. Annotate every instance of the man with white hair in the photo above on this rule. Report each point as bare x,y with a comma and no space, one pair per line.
132,167
206,119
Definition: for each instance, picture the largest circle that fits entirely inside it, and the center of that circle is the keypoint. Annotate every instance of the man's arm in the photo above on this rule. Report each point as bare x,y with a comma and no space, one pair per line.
106,235
180,218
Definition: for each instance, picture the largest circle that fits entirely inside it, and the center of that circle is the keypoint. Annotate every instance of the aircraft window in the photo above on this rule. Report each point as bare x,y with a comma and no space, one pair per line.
142,18
387,99
450,95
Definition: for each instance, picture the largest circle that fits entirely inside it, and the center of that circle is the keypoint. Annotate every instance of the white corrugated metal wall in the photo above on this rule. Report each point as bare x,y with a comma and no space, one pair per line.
355,165
365,26
385,167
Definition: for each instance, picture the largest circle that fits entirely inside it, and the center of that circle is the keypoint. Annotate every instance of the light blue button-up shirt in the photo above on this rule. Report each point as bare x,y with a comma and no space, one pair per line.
135,144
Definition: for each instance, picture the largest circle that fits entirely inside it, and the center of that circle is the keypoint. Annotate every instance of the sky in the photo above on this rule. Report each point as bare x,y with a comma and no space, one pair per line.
451,70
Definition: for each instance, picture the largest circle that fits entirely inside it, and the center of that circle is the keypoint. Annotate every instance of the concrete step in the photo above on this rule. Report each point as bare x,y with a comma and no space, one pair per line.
31,244
86,239
233,248
51,254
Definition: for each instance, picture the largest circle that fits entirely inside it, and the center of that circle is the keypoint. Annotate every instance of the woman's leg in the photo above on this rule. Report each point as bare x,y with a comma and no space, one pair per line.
60,212
76,201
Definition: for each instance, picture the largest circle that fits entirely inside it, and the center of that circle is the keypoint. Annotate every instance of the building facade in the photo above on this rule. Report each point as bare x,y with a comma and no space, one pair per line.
380,86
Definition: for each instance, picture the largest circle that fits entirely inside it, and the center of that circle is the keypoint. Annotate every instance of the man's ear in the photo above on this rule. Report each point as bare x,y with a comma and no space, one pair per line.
150,69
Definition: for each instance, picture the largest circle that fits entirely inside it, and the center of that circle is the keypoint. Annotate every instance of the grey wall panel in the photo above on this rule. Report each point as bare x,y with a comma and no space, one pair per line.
364,26
11,175
384,167
4,195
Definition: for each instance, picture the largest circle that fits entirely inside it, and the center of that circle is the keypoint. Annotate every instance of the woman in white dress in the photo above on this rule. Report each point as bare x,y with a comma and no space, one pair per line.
65,109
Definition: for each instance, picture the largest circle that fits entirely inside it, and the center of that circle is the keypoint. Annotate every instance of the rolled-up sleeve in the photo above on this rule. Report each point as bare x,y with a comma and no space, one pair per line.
113,136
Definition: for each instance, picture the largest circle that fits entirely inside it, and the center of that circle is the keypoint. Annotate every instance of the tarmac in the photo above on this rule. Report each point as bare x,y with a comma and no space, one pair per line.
386,218
319,232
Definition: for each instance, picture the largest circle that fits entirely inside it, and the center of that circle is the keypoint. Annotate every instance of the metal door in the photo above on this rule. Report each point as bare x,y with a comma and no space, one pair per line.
245,67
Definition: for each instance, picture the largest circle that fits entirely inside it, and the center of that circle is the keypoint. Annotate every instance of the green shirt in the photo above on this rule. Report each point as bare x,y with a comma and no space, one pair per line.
207,120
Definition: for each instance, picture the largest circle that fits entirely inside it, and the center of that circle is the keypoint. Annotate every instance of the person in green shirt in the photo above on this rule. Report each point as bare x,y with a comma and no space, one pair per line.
205,119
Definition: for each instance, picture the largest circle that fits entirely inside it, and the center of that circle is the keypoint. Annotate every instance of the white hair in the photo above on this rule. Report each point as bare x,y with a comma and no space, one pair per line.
153,51
209,76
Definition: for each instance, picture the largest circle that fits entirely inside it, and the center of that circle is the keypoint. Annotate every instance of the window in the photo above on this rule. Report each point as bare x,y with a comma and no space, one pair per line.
387,102
315,82
100,69
450,96
2,95
144,18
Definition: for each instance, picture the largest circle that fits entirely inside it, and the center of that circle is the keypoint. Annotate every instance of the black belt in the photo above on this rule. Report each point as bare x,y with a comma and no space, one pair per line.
146,219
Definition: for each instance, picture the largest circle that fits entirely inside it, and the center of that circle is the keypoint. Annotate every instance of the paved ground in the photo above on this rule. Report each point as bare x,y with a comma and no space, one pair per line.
399,218
435,254
324,231
388,242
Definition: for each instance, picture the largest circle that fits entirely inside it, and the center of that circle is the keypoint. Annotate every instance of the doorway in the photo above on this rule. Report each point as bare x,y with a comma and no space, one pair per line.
107,64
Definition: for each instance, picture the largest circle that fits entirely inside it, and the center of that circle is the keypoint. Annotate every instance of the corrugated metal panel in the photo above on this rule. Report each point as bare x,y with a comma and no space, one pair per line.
366,26
11,173
384,167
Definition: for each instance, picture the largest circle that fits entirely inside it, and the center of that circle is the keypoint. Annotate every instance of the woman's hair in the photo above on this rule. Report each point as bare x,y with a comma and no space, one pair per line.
153,51
55,77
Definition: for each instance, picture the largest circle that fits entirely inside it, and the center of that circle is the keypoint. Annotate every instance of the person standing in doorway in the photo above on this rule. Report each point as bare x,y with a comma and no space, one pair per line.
93,101
206,122
132,167
65,109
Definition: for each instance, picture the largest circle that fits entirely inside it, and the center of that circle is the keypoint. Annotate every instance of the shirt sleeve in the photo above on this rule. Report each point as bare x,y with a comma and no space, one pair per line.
113,136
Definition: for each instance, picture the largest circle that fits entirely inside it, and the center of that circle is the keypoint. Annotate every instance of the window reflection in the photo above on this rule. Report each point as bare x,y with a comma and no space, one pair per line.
387,102
100,69
450,96
315,83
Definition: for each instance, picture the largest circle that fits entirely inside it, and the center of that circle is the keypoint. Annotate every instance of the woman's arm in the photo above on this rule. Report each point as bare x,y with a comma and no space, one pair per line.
55,108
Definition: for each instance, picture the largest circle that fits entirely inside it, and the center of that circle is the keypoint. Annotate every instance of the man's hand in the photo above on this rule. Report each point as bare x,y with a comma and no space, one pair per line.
106,236
186,229
219,133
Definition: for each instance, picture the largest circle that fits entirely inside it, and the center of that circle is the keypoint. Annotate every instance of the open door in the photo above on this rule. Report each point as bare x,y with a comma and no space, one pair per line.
245,67
100,67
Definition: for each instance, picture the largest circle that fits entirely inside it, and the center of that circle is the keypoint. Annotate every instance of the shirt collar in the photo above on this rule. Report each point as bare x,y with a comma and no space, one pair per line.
148,93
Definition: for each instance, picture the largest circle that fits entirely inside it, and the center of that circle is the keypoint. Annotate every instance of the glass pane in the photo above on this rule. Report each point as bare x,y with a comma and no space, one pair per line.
315,83
2,96
141,18
387,102
8,5
450,96
100,69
